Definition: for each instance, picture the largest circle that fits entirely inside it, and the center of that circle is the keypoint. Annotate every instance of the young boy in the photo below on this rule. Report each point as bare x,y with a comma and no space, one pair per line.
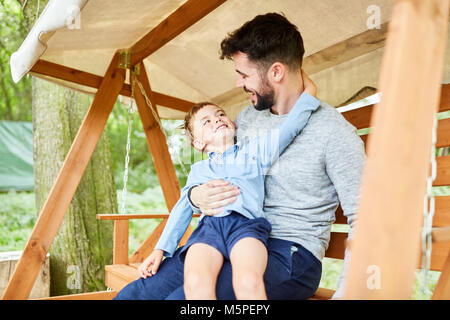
240,232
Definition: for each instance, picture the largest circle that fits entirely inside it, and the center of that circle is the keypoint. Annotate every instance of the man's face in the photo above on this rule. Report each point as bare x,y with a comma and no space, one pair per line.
261,92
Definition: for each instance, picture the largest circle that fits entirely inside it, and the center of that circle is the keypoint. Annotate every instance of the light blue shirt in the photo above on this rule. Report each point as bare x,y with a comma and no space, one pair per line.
244,165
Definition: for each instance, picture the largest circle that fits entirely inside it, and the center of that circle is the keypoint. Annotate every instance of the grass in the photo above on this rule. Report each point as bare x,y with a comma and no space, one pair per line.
18,215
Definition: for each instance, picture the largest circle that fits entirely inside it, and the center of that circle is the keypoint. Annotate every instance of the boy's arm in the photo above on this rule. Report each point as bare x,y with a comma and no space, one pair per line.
179,218
276,140
177,223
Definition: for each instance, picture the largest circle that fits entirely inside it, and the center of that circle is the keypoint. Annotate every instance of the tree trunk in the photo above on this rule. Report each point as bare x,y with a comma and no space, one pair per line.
83,244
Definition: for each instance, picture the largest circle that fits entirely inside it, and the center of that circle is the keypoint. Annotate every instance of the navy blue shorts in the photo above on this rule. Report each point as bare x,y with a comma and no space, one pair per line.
222,233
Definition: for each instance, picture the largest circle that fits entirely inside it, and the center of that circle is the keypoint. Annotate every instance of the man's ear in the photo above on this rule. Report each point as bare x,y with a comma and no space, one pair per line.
277,72
199,145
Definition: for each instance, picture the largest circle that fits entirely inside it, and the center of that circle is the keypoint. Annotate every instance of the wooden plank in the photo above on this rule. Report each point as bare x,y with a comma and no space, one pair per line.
442,211
322,294
442,171
57,71
360,118
136,216
172,102
346,50
441,234
119,275
439,254
443,133
181,19
444,104
390,212
340,218
120,248
442,289
338,242
100,295
337,245
65,185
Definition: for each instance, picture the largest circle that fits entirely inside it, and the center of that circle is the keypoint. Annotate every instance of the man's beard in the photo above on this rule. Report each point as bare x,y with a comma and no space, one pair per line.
266,99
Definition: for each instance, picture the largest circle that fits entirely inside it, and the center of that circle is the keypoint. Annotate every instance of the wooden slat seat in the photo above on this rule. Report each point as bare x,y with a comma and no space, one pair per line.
118,276
322,294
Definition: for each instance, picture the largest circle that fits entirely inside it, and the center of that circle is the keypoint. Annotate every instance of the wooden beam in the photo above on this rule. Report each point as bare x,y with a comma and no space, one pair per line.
65,185
60,72
120,246
162,161
181,19
441,234
100,295
157,144
346,50
136,216
442,289
389,221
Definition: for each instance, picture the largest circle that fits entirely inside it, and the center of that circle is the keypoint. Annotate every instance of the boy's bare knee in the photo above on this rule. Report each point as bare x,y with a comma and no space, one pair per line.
197,286
248,285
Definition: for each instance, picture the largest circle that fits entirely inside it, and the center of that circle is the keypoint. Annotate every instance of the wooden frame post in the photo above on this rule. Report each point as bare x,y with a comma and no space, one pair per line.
66,183
385,247
156,141
162,161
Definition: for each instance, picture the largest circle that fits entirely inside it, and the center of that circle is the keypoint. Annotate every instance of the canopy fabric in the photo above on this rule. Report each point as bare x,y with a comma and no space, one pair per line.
188,67
16,156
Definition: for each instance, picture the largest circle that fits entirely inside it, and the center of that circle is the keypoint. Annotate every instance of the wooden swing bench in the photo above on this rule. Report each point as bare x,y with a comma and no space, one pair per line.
124,268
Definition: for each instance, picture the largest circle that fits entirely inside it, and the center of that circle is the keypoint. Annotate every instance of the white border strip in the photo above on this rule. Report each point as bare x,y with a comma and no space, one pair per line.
373,99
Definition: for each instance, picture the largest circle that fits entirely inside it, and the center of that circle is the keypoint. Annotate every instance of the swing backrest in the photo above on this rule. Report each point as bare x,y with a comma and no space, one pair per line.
360,118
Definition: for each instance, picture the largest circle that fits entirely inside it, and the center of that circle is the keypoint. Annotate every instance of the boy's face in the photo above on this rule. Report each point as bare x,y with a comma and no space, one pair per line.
212,129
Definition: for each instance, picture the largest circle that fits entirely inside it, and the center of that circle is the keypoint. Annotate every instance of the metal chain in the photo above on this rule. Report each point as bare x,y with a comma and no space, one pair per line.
131,111
150,104
428,214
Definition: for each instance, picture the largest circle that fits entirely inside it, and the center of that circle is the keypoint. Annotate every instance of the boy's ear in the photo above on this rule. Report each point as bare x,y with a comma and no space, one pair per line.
199,145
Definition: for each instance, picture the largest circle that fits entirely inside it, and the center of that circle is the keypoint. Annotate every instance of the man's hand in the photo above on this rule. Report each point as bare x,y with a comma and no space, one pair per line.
211,196
309,85
153,261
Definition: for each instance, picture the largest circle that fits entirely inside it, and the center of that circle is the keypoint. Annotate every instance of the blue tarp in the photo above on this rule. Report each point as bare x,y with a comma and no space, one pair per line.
16,156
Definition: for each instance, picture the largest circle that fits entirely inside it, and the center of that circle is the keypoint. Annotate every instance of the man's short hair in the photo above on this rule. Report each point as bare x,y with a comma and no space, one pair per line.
266,39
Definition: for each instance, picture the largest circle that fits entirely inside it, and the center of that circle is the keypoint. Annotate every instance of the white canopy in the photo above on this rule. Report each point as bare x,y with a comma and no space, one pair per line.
342,54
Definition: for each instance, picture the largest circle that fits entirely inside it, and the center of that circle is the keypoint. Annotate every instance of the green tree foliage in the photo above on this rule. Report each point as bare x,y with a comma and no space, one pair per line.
15,98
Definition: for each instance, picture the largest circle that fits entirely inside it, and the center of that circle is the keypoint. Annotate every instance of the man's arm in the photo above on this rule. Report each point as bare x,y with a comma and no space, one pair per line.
345,157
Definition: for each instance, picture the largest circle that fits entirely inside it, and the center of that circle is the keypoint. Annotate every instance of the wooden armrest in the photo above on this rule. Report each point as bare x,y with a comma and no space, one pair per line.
135,216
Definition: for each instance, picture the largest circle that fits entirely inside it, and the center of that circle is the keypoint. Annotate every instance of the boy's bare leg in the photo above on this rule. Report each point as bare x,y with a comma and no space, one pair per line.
201,268
249,260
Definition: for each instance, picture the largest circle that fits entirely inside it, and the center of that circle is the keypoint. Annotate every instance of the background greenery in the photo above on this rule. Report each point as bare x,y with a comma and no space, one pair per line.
17,209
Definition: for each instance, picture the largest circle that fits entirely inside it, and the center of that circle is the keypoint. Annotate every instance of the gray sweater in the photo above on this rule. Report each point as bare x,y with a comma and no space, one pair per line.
321,168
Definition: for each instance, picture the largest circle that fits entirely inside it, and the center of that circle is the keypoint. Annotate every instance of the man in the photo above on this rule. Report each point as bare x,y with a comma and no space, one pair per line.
319,169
